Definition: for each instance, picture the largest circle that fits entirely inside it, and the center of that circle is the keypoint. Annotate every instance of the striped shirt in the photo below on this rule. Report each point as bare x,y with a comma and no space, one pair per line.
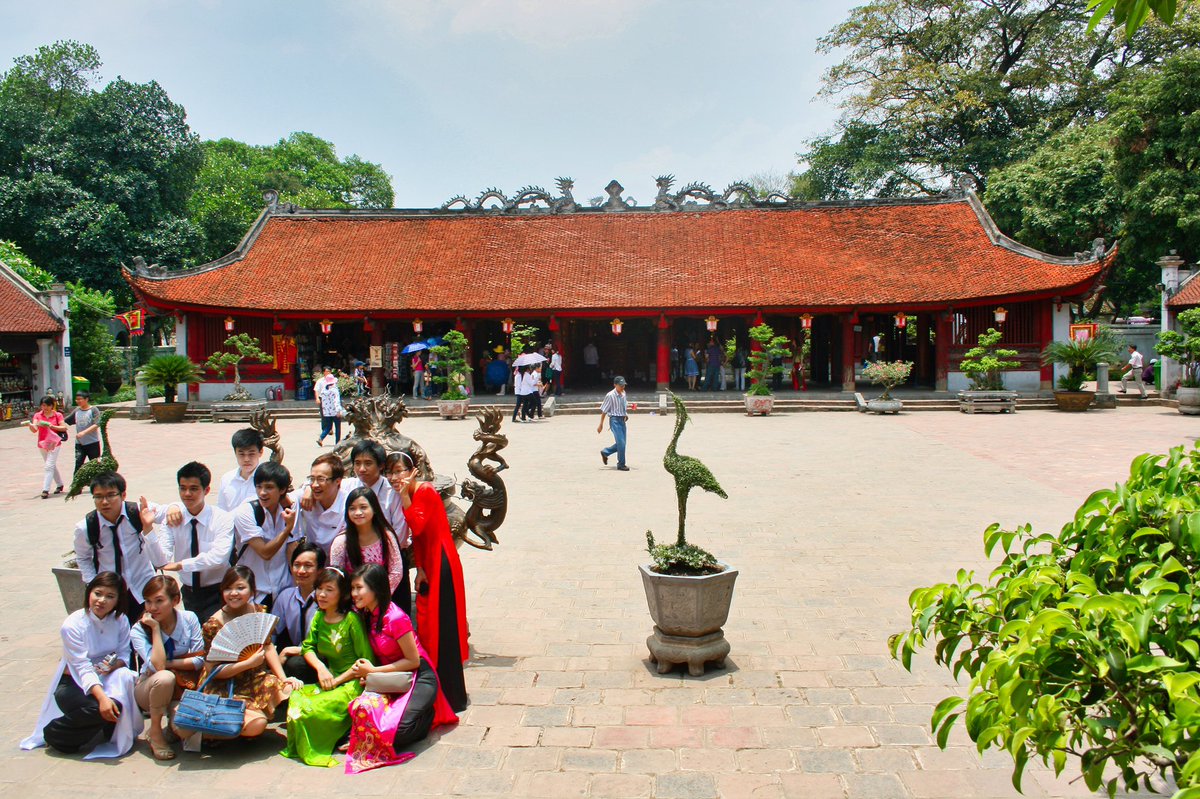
614,404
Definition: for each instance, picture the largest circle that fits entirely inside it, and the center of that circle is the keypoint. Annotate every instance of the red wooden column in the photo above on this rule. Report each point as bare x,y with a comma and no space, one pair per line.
1044,322
662,369
848,352
941,350
195,347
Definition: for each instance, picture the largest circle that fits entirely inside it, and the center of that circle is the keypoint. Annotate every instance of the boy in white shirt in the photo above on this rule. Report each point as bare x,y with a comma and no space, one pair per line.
237,485
263,527
200,543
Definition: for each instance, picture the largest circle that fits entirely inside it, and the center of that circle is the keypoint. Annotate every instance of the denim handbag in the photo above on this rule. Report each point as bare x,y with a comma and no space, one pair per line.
211,714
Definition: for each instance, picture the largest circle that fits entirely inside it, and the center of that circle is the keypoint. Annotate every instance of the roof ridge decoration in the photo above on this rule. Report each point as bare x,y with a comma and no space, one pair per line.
692,197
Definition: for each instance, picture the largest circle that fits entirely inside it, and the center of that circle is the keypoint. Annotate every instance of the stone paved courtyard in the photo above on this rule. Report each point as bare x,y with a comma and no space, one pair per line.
832,519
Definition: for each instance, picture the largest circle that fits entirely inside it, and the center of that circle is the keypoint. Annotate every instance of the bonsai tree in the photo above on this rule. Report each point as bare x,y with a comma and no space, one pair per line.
1082,643
985,363
244,346
682,557
1080,355
453,370
772,347
168,371
1184,348
888,374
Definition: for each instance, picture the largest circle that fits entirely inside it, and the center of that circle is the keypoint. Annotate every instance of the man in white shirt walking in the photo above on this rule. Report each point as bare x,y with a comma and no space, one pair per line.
616,409
1133,370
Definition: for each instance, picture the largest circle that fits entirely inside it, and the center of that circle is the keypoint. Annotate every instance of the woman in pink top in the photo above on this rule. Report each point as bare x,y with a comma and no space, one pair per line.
367,538
48,423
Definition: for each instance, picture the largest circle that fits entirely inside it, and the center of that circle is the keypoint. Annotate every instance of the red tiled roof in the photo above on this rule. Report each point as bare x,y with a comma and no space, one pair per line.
1188,296
21,314
913,253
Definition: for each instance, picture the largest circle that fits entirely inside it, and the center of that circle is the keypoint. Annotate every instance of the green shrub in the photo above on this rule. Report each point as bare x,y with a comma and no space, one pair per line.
985,363
1083,643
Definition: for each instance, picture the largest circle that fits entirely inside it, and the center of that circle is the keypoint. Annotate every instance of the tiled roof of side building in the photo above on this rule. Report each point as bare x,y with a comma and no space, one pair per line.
833,256
1188,296
21,313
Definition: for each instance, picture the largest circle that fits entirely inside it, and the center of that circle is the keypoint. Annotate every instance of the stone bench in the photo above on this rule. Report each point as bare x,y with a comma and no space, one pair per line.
987,401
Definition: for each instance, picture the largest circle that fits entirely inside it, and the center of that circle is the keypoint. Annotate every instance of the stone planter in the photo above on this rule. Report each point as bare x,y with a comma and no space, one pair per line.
987,401
882,406
454,409
168,412
1074,401
1189,400
112,386
236,410
70,587
688,614
760,404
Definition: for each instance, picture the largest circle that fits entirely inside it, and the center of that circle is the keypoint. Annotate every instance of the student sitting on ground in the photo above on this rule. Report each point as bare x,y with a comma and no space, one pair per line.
295,608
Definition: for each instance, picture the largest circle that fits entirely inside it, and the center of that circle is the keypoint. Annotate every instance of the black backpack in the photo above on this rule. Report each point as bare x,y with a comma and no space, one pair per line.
92,522
260,516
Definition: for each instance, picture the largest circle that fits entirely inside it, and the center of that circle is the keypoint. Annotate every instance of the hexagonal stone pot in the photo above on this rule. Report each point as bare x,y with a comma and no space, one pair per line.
688,614
454,409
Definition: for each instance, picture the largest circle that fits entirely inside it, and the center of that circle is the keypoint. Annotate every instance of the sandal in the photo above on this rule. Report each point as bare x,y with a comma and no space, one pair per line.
45,495
161,752
58,490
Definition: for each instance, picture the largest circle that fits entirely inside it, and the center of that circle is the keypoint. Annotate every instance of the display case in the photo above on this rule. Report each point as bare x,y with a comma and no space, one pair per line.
16,388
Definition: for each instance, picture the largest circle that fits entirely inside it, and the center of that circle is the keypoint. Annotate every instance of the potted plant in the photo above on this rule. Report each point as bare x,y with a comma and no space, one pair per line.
1078,355
112,375
759,398
1184,348
453,375
687,589
167,372
984,365
243,346
888,374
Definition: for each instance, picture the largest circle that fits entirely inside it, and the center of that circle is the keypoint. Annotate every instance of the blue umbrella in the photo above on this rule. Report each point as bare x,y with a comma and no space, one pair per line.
435,341
416,346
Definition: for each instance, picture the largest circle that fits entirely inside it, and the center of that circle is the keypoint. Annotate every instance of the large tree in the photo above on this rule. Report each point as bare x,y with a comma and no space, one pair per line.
934,88
303,168
90,178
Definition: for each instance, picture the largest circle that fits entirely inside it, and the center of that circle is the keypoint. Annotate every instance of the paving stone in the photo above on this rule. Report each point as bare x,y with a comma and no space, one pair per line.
811,786
675,737
647,761
685,786
554,784
550,716
621,786
483,783
874,786
621,738
765,760
749,786
513,736
589,760
893,759
845,735
713,760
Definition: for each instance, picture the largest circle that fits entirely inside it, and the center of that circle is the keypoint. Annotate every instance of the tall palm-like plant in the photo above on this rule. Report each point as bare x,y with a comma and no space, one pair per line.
1079,355
168,371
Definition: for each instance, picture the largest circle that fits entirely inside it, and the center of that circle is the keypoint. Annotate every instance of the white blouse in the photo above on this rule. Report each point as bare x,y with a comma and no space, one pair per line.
87,640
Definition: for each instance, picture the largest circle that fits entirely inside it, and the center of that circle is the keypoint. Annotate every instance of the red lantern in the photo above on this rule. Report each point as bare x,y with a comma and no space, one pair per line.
326,326
901,320
277,326
806,321
617,324
507,326
418,326
228,324
553,325
711,324
367,326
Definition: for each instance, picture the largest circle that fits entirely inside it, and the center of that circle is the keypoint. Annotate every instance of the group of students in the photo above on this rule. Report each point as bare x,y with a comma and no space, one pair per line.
329,559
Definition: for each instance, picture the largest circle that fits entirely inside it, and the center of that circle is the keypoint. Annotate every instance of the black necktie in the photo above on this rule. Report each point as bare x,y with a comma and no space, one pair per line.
195,553
304,620
116,548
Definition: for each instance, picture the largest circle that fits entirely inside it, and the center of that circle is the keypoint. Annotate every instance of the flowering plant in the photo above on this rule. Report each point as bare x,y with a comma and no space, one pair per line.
889,374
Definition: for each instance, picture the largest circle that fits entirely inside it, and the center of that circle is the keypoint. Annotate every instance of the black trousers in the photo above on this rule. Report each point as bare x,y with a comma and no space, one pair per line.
418,716
450,667
85,452
402,596
296,666
204,602
80,722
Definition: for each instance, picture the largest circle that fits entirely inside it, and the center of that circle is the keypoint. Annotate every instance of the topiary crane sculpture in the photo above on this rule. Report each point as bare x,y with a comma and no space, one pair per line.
105,463
688,472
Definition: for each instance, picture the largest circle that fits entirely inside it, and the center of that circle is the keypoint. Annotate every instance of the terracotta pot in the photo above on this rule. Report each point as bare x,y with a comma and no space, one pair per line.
1074,401
1189,400
168,412
454,409
759,404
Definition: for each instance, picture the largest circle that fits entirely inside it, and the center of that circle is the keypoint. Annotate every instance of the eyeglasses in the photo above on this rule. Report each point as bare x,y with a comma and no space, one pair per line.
319,481
105,497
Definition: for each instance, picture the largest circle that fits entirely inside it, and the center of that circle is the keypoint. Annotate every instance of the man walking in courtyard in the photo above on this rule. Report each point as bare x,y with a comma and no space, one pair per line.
1133,370
615,409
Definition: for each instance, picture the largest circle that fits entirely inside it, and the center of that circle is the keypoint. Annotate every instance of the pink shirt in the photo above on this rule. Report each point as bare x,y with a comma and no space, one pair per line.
386,643
371,554
47,438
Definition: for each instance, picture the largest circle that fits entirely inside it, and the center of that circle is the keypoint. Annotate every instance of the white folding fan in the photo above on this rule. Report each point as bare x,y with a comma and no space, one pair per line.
242,637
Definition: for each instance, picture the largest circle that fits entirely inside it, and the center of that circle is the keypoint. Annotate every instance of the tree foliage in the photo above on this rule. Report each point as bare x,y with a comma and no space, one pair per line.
762,369
984,364
1184,348
453,371
90,177
1082,643
303,168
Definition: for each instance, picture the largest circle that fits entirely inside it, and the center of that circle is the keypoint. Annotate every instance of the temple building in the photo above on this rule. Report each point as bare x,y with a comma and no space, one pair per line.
35,341
914,279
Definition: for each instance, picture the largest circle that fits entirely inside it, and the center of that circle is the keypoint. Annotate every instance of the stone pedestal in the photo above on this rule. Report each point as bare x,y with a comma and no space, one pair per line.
1104,398
669,650
141,410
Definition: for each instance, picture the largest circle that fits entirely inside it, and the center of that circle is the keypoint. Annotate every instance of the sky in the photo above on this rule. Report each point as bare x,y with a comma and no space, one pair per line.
455,96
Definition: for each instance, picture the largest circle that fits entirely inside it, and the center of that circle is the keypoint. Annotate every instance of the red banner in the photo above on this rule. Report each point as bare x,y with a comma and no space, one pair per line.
284,350
134,321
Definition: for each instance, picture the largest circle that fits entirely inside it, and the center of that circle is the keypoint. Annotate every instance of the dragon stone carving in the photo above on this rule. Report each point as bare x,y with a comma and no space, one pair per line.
488,496
264,422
